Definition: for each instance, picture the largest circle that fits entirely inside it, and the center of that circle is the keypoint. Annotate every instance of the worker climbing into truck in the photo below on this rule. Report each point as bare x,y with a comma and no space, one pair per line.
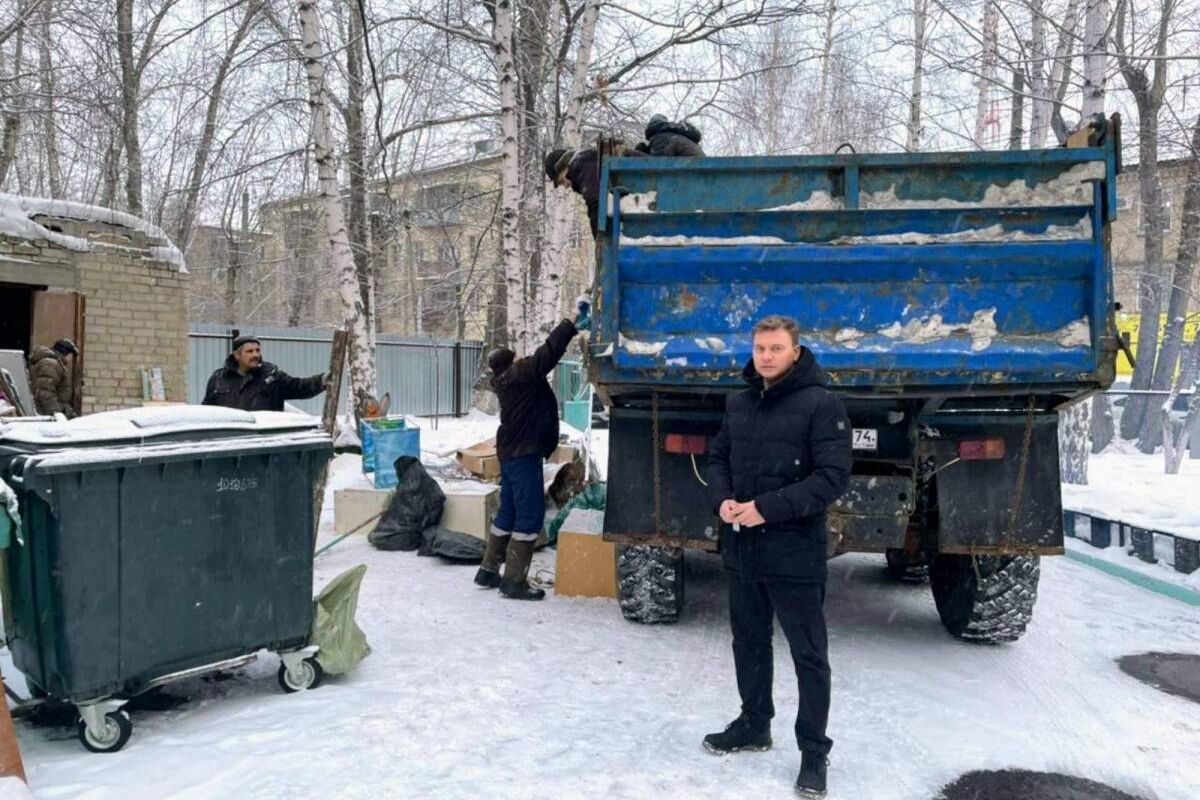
528,433
671,139
579,170
783,455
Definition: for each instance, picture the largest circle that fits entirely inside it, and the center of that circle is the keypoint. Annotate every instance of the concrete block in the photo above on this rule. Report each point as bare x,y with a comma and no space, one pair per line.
470,507
1187,555
353,507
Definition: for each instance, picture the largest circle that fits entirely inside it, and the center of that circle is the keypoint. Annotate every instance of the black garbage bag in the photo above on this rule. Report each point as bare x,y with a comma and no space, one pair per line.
451,545
416,505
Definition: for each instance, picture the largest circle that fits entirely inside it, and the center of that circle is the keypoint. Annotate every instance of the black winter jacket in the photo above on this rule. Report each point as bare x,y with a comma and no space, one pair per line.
676,139
584,171
264,389
788,449
528,408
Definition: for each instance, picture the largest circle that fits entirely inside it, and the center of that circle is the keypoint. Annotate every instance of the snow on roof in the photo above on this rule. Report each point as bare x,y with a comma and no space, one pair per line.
17,213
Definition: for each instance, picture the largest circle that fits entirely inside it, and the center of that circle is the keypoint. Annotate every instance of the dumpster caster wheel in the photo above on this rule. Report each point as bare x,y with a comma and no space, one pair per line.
308,676
117,730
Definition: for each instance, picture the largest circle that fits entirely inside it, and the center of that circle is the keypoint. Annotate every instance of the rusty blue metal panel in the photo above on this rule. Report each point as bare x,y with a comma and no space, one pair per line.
944,270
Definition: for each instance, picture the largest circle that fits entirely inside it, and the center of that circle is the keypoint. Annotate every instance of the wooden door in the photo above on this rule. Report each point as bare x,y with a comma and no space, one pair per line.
58,315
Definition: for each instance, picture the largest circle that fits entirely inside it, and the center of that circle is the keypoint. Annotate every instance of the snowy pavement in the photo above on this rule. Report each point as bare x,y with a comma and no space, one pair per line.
467,695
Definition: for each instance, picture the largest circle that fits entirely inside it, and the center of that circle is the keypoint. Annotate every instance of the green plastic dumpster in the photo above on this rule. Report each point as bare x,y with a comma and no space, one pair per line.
158,544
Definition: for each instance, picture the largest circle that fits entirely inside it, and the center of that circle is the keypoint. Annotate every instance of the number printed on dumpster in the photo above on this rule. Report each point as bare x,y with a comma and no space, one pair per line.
236,484
866,439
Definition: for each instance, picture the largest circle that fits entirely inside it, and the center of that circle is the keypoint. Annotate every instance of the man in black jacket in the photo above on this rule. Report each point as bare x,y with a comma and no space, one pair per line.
528,433
580,170
671,139
782,457
251,384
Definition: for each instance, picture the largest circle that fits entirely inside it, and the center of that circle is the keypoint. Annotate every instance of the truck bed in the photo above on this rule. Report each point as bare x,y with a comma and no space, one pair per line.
947,273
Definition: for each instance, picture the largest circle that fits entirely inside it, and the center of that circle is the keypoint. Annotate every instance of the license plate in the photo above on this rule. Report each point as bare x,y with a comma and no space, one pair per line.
865,439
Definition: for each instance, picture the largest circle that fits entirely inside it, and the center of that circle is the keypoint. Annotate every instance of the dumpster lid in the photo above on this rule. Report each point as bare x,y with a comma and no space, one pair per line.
140,424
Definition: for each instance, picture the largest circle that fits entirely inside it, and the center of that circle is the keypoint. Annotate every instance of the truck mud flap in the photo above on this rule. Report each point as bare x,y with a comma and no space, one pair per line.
872,515
984,506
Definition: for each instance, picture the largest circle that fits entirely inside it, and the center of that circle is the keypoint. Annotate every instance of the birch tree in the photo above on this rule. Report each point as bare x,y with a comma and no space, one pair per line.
920,15
1145,77
362,378
562,200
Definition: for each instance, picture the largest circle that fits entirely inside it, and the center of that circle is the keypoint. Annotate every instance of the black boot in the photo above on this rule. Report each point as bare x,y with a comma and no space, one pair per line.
741,734
488,575
514,585
811,780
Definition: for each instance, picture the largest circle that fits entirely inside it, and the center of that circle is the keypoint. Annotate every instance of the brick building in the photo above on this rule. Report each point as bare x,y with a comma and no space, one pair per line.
435,246
1129,227
111,282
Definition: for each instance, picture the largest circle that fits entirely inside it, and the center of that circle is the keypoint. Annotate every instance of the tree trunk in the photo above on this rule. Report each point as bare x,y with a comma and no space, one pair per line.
1103,430
191,196
112,171
49,97
1060,72
1181,284
362,378
1016,123
1039,114
510,179
987,80
1150,278
356,154
237,258
822,118
532,36
10,117
562,199
1074,425
920,18
130,91
1175,442
1095,57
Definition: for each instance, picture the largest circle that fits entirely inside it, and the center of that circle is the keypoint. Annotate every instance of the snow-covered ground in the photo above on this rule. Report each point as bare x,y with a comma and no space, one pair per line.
1129,486
467,695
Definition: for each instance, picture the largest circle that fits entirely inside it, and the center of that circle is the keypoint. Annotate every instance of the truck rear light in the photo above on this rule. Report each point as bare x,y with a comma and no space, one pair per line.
685,444
981,449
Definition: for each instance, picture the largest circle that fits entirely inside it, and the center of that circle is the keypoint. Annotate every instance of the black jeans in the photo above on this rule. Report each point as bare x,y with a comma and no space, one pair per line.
752,606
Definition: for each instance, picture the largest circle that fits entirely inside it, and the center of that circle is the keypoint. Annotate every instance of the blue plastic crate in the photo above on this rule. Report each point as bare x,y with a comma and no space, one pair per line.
388,445
368,429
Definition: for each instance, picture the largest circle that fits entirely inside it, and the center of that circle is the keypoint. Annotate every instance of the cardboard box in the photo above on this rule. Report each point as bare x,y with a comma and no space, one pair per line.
480,460
353,507
470,507
586,565
563,454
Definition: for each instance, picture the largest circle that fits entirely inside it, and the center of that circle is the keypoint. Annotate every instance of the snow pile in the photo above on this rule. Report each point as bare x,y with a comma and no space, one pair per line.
1069,188
819,200
17,213
711,343
702,241
144,423
1125,485
1081,230
981,329
636,348
639,203
1075,334
15,221
8,501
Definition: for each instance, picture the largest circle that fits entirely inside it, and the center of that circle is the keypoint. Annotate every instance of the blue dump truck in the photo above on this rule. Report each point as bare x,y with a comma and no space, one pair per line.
958,302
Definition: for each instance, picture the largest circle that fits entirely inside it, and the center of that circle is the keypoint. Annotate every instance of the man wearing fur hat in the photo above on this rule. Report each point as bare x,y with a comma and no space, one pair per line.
251,384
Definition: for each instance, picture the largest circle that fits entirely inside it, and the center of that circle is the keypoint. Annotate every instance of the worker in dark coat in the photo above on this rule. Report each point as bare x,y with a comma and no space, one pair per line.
50,380
580,170
528,433
251,384
782,457
671,139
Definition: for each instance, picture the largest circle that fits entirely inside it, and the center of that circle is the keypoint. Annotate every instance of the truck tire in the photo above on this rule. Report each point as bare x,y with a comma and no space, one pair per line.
985,599
650,583
903,568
